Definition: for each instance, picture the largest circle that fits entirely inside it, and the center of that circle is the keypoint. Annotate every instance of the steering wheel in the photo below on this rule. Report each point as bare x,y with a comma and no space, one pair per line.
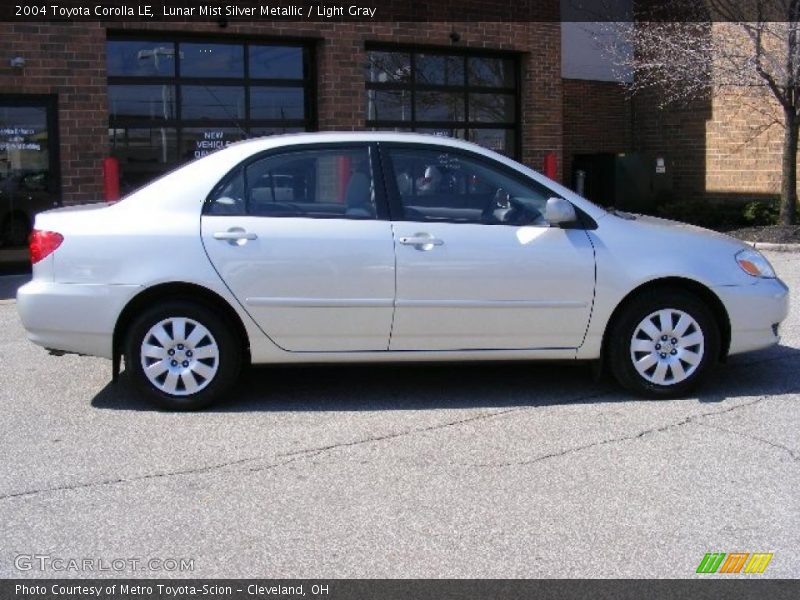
504,208
526,214
498,207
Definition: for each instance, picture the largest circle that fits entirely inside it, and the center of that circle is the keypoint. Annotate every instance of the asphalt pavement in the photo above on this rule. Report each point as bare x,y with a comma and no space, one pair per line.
472,470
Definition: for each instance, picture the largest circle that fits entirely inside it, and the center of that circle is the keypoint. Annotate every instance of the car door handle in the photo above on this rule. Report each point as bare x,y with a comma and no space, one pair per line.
421,240
234,235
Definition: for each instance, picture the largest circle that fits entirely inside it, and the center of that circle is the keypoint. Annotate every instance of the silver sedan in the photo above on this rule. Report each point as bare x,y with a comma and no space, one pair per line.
336,247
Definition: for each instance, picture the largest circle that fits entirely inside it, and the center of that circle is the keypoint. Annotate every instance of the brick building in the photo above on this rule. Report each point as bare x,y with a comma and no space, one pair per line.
154,95
726,147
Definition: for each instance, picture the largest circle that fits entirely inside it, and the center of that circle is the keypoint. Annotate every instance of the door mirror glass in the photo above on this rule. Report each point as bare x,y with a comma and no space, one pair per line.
559,212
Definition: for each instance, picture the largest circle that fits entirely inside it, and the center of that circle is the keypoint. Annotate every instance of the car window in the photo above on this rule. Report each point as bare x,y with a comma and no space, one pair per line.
437,185
325,183
227,198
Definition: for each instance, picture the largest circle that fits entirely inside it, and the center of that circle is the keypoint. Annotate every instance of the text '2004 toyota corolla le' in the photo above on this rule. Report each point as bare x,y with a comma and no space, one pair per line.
385,247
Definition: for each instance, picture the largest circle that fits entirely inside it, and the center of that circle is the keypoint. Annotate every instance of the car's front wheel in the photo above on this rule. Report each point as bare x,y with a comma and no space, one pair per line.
183,355
664,343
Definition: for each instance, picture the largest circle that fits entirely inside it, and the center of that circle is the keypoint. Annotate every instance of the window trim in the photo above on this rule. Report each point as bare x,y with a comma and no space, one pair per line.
382,212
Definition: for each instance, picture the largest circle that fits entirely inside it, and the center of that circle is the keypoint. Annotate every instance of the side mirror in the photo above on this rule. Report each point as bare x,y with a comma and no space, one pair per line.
559,212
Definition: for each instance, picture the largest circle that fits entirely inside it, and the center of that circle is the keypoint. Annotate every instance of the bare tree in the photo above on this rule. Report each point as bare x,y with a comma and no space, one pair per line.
750,47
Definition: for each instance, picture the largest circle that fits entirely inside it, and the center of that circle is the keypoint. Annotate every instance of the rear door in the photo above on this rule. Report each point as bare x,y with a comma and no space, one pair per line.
302,240
478,266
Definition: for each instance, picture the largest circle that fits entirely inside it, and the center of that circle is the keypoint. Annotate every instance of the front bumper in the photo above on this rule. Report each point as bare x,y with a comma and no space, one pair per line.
754,311
73,317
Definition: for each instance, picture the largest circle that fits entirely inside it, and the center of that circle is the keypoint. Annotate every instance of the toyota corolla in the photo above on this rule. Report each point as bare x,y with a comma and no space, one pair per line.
336,247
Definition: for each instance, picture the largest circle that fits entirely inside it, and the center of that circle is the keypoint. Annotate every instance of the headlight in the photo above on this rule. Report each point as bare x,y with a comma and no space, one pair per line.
753,263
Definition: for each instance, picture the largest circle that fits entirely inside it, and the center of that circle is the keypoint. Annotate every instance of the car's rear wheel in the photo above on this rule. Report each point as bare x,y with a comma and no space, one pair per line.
664,343
183,355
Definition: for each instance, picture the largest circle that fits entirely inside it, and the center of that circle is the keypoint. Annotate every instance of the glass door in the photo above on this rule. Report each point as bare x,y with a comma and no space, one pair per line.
29,181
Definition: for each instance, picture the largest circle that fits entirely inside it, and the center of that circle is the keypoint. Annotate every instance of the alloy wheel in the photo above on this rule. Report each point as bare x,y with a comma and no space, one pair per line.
179,356
667,347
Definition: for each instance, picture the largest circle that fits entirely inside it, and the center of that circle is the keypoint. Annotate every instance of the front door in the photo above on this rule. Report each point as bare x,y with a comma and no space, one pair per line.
301,239
478,267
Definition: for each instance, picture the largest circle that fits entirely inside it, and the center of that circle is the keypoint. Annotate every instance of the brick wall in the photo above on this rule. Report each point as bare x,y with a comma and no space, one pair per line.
69,60
725,147
597,118
743,146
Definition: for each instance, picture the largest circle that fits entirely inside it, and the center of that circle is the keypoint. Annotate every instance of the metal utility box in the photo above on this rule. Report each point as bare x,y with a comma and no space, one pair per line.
633,182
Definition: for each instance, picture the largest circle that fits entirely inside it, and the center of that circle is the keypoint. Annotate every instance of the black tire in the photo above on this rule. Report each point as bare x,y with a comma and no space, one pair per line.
228,359
621,353
16,230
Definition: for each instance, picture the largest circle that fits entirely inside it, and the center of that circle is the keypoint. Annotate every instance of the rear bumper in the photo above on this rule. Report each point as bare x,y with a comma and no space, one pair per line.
73,317
754,312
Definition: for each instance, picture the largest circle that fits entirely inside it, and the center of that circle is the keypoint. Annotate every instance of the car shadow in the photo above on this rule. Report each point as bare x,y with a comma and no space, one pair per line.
9,284
366,387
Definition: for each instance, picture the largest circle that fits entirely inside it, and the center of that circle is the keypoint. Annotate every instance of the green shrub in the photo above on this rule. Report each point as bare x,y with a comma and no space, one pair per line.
721,217
760,212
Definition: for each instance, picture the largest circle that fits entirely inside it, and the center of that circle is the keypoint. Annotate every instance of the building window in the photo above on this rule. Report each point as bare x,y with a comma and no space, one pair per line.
468,95
29,169
172,100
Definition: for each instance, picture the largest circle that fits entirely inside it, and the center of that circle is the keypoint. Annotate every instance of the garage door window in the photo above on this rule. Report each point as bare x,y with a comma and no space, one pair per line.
173,100
467,95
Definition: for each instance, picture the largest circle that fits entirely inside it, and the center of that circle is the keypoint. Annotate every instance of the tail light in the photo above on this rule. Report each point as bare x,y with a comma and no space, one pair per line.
43,243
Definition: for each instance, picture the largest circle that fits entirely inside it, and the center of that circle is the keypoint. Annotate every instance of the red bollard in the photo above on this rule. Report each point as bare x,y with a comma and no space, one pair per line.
111,179
344,165
550,165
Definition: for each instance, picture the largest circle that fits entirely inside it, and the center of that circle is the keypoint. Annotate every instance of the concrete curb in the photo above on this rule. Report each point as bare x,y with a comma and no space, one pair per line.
774,247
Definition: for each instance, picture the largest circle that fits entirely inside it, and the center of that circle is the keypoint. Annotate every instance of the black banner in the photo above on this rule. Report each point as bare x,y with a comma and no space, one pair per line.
394,10
403,589
280,10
